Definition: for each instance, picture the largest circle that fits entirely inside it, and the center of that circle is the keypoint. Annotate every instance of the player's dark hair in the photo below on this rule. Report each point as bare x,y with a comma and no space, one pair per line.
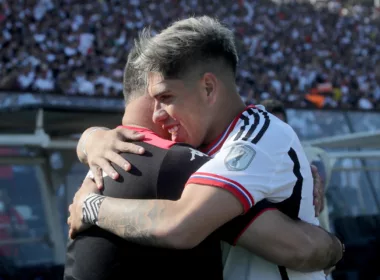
195,45
133,84
275,107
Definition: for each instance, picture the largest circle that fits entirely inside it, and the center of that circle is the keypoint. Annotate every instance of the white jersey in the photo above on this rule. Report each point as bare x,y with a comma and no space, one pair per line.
260,156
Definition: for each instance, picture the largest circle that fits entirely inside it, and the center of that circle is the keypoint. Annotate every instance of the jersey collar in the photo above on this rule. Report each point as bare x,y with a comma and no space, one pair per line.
215,145
151,137
137,128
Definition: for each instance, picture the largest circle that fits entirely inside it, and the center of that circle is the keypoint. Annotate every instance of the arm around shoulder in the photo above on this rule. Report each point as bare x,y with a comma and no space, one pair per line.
203,209
180,224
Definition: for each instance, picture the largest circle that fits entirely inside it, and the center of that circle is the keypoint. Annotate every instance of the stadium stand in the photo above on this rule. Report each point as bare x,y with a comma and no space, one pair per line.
61,64
324,57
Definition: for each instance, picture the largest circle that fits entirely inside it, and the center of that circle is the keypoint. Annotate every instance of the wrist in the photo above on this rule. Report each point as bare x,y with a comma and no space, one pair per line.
91,207
88,137
336,250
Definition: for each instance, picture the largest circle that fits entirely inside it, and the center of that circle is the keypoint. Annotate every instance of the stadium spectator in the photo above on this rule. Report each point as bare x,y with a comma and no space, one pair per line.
297,52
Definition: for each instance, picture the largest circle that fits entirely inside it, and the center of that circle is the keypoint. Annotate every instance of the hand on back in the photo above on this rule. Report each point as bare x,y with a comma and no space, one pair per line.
103,147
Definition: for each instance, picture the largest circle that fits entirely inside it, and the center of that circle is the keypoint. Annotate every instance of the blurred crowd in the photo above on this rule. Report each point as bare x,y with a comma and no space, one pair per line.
326,57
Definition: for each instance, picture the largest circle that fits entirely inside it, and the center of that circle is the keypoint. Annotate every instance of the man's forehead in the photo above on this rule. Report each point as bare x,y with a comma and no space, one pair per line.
158,84
155,78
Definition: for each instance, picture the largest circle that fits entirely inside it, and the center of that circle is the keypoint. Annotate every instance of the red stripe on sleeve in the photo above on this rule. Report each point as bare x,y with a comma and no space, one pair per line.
242,188
210,182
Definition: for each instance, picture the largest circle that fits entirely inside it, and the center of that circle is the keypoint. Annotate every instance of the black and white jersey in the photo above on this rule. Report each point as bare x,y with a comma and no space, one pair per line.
260,157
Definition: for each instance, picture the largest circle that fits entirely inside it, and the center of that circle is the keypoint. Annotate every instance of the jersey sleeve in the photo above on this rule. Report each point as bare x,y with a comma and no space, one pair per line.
230,232
179,163
249,172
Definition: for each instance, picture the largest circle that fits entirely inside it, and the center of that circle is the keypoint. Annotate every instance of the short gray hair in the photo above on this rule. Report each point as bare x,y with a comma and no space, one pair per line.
192,43
133,84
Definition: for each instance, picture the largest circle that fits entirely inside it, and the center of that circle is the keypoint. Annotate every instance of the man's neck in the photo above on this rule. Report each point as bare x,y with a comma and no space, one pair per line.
131,118
224,117
127,121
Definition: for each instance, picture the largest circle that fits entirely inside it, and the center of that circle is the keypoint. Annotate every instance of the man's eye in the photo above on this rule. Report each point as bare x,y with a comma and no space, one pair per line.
164,98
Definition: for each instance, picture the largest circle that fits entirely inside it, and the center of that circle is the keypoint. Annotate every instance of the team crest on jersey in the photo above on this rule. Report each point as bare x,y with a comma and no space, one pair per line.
239,157
196,153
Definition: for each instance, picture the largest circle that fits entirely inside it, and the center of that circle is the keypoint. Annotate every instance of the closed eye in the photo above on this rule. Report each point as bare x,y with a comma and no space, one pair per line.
164,98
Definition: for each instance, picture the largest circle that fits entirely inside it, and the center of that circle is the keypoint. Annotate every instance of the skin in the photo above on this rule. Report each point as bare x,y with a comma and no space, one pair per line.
301,246
201,209
206,97
194,106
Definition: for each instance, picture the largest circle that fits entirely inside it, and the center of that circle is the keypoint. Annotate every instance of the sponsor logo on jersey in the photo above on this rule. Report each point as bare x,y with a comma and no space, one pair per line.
239,157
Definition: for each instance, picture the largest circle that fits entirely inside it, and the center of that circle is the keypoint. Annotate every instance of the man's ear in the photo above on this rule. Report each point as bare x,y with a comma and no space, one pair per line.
210,85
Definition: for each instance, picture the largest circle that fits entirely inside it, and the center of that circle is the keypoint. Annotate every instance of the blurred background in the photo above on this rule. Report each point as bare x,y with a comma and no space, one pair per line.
61,65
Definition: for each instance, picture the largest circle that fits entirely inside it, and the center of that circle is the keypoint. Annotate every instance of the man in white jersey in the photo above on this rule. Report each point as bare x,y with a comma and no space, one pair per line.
253,167
191,68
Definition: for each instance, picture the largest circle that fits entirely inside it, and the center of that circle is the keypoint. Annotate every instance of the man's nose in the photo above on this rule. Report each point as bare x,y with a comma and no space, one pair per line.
160,116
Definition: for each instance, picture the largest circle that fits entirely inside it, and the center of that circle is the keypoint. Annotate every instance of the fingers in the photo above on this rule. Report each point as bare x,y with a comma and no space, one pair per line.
72,230
317,204
104,164
129,134
98,178
118,160
317,207
88,186
317,192
69,222
128,148
106,150
111,143
106,167
71,233
314,169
